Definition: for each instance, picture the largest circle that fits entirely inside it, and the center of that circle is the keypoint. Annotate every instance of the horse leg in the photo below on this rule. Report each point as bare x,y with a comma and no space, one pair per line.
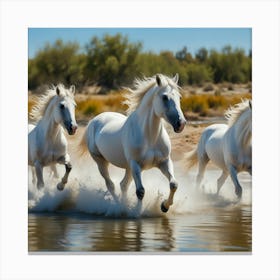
39,174
250,170
103,169
136,173
221,181
233,175
166,168
33,175
68,167
202,162
54,170
125,183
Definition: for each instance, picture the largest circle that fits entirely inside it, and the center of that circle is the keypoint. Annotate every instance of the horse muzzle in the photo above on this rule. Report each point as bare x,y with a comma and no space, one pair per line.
72,129
179,126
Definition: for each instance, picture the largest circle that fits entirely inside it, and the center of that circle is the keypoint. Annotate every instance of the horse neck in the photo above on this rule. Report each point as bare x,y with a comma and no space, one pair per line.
243,132
51,129
150,123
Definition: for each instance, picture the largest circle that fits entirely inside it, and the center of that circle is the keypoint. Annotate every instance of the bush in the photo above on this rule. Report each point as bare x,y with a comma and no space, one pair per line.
197,104
208,87
89,107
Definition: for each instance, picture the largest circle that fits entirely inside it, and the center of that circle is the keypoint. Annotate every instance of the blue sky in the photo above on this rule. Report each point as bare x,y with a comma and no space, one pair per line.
153,39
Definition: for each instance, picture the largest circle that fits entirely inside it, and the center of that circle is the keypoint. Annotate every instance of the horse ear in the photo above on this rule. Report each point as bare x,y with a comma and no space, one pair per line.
250,104
57,91
158,80
72,89
176,78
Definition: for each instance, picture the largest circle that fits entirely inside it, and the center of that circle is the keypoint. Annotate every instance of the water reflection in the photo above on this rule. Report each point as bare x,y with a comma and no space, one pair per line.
214,230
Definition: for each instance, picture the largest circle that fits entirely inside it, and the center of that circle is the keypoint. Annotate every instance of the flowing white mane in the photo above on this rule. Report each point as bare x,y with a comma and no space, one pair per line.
234,112
141,87
233,115
43,101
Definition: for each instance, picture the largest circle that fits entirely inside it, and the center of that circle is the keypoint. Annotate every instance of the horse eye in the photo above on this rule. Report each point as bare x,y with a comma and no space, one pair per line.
61,106
165,98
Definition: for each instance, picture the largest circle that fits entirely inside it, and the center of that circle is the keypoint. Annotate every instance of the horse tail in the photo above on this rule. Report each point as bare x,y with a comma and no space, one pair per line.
192,158
83,145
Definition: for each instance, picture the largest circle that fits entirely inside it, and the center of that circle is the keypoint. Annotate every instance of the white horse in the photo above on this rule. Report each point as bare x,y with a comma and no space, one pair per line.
229,146
139,141
47,144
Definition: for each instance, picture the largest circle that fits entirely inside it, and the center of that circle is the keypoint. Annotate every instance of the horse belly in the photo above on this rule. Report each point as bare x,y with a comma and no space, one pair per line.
108,140
152,158
111,149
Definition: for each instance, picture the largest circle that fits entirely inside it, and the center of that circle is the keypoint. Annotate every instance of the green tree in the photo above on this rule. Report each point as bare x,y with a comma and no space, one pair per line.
184,56
111,60
201,55
198,74
151,63
230,65
56,63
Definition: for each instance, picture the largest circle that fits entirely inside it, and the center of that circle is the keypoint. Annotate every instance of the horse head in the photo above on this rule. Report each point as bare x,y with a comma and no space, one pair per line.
64,112
167,102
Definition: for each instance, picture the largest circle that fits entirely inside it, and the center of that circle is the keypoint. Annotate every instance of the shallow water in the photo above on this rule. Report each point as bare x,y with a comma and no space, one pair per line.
217,230
84,218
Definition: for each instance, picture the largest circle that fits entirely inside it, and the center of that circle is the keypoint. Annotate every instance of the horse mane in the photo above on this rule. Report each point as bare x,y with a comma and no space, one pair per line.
141,87
233,114
43,101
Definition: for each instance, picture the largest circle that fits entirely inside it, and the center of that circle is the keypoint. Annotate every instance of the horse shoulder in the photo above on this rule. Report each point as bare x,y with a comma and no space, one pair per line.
164,143
132,135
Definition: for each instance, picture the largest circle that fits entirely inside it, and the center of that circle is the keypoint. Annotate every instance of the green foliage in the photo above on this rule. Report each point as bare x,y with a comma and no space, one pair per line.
56,63
112,62
198,74
165,63
232,66
201,55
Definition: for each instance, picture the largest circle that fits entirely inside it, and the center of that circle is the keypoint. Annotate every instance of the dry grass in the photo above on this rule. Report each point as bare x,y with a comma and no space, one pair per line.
201,105
208,104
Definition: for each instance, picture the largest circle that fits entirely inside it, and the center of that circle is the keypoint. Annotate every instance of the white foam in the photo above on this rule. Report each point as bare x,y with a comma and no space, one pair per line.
86,192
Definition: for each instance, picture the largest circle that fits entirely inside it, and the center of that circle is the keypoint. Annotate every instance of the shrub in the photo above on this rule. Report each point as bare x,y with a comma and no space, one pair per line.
89,107
208,87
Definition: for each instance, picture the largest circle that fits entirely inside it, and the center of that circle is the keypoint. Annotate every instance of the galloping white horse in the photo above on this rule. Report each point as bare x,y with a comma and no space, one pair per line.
228,146
47,144
139,141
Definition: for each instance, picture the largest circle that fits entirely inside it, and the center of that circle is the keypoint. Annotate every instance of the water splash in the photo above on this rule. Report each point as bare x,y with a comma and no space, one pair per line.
86,193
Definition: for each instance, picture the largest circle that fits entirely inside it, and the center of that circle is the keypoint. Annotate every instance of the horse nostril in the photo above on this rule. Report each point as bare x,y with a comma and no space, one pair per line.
73,128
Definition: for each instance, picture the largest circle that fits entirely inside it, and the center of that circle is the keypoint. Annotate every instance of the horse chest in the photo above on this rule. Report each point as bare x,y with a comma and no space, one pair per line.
52,153
152,158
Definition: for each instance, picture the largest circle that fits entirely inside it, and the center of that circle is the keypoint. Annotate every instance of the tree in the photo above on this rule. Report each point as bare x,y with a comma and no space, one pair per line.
201,55
57,63
184,56
198,74
111,61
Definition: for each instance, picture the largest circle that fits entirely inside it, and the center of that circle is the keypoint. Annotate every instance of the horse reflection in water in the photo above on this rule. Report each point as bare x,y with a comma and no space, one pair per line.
139,141
229,146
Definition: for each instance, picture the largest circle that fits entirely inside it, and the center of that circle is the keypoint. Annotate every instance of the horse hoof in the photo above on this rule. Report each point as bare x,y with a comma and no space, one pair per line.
163,208
239,193
60,187
140,193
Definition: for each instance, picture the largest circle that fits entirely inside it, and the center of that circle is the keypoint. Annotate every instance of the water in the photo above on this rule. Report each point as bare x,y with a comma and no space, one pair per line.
84,218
